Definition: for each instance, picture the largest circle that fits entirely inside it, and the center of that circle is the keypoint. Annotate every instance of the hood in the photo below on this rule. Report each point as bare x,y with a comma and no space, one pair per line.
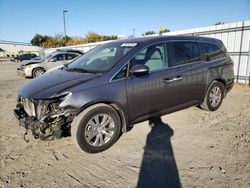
53,84
29,62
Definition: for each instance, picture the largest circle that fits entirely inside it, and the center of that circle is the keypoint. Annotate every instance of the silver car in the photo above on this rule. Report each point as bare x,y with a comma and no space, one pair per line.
35,68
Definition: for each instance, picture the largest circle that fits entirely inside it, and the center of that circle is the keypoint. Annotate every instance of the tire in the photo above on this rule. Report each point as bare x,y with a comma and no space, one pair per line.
89,135
37,72
214,96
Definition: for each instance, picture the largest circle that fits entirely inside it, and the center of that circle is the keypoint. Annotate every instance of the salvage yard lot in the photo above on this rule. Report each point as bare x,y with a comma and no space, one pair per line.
189,148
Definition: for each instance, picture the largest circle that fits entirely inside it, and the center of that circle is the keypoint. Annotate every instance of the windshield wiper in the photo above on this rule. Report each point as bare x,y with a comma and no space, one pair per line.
79,70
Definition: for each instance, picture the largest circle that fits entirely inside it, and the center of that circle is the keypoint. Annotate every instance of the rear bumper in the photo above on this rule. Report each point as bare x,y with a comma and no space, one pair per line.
229,85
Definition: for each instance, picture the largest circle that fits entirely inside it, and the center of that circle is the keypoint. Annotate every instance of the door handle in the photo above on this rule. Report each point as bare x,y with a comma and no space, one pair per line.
168,80
177,78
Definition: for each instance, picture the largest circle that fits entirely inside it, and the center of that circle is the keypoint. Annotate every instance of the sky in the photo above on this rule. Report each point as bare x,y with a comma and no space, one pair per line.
20,20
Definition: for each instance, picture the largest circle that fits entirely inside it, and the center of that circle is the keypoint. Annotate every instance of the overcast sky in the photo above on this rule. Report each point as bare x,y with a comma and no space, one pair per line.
21,19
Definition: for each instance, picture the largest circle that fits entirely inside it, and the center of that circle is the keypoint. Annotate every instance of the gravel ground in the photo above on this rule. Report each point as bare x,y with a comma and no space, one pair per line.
189,148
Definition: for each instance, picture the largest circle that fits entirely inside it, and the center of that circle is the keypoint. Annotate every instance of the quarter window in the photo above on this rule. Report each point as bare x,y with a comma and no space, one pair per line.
153,56
186,52
212,52
121,74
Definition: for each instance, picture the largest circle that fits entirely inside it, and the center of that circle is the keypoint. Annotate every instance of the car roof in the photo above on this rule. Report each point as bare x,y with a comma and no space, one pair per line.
70,50
153,39
64,52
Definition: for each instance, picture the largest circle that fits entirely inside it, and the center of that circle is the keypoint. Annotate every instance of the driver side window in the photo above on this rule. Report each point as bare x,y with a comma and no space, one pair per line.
153,56
59,57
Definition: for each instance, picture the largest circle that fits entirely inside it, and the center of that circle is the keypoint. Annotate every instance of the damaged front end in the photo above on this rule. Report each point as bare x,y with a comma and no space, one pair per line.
45,118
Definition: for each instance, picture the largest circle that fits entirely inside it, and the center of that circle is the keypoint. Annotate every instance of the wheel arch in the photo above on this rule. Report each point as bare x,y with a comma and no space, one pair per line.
37,68
221,80
114,105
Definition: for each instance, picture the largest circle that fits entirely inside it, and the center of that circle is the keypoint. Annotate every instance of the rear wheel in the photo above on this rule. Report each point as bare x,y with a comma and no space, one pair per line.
214,96
37,72
96,128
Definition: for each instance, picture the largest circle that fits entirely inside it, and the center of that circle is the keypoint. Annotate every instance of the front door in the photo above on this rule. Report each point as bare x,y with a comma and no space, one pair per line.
151,93
57,60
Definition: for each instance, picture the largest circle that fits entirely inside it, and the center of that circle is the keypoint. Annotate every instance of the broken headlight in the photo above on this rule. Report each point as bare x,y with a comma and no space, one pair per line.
48,107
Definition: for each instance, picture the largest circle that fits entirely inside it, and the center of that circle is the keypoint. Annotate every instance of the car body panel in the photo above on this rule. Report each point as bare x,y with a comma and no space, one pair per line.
55,82
150,93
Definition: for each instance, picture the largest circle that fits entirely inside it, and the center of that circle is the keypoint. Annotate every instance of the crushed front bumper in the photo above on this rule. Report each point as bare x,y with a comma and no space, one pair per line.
42,130
22,118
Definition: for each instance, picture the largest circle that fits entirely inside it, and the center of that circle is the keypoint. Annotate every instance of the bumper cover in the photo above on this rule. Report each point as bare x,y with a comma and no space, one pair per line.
37,128
20,72
24,120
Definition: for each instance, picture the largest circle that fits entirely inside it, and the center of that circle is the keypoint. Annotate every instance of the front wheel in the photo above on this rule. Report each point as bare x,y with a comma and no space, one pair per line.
37,72
96,128
214,96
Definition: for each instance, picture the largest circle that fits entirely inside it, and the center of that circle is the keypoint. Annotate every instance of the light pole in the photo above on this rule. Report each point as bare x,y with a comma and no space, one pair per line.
134,32
64,11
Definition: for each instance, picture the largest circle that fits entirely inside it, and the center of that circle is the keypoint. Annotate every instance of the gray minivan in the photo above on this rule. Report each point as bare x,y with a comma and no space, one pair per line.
103,93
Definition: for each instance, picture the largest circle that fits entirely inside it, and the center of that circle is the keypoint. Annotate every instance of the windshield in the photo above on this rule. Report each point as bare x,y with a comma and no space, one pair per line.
101,58
46,57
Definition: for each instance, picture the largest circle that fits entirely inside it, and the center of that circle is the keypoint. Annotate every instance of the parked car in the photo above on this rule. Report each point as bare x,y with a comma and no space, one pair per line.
103,93
70,50
26,56
37,67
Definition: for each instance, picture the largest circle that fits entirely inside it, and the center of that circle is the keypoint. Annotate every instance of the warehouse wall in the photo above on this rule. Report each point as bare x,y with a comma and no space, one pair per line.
13,48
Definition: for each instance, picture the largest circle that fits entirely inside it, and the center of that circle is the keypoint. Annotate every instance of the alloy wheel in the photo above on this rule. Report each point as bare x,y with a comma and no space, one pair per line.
99,130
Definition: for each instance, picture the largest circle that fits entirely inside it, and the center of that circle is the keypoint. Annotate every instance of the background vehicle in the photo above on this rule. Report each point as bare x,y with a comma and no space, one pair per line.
70,50
35,68
101,94
27,56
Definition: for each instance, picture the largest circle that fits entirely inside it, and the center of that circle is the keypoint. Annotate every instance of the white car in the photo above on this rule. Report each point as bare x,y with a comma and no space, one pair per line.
35,68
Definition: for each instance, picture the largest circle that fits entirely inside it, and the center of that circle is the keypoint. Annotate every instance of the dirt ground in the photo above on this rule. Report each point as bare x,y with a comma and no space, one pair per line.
190,148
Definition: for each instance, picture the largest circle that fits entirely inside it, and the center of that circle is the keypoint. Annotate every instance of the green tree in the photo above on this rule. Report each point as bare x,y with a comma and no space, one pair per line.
165,31
37,40
149,33
111,37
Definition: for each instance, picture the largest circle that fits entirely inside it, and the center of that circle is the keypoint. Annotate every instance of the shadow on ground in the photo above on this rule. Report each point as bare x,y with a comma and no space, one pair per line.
158,168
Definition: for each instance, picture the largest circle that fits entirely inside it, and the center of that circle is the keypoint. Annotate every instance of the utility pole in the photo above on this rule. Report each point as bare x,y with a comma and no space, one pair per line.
134,32
64,24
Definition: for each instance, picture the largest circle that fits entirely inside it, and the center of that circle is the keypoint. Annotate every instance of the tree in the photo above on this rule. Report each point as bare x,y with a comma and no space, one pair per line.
37,40
111,37
149,33
165,31
93,37
76,41
59,40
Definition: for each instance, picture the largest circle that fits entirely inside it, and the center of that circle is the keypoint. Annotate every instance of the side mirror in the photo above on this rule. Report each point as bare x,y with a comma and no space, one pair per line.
139,70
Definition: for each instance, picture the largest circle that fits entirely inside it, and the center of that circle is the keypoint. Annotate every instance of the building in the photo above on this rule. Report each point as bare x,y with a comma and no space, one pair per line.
11,49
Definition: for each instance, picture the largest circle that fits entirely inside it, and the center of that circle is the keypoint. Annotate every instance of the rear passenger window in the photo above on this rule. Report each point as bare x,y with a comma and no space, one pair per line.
212,52
186,52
